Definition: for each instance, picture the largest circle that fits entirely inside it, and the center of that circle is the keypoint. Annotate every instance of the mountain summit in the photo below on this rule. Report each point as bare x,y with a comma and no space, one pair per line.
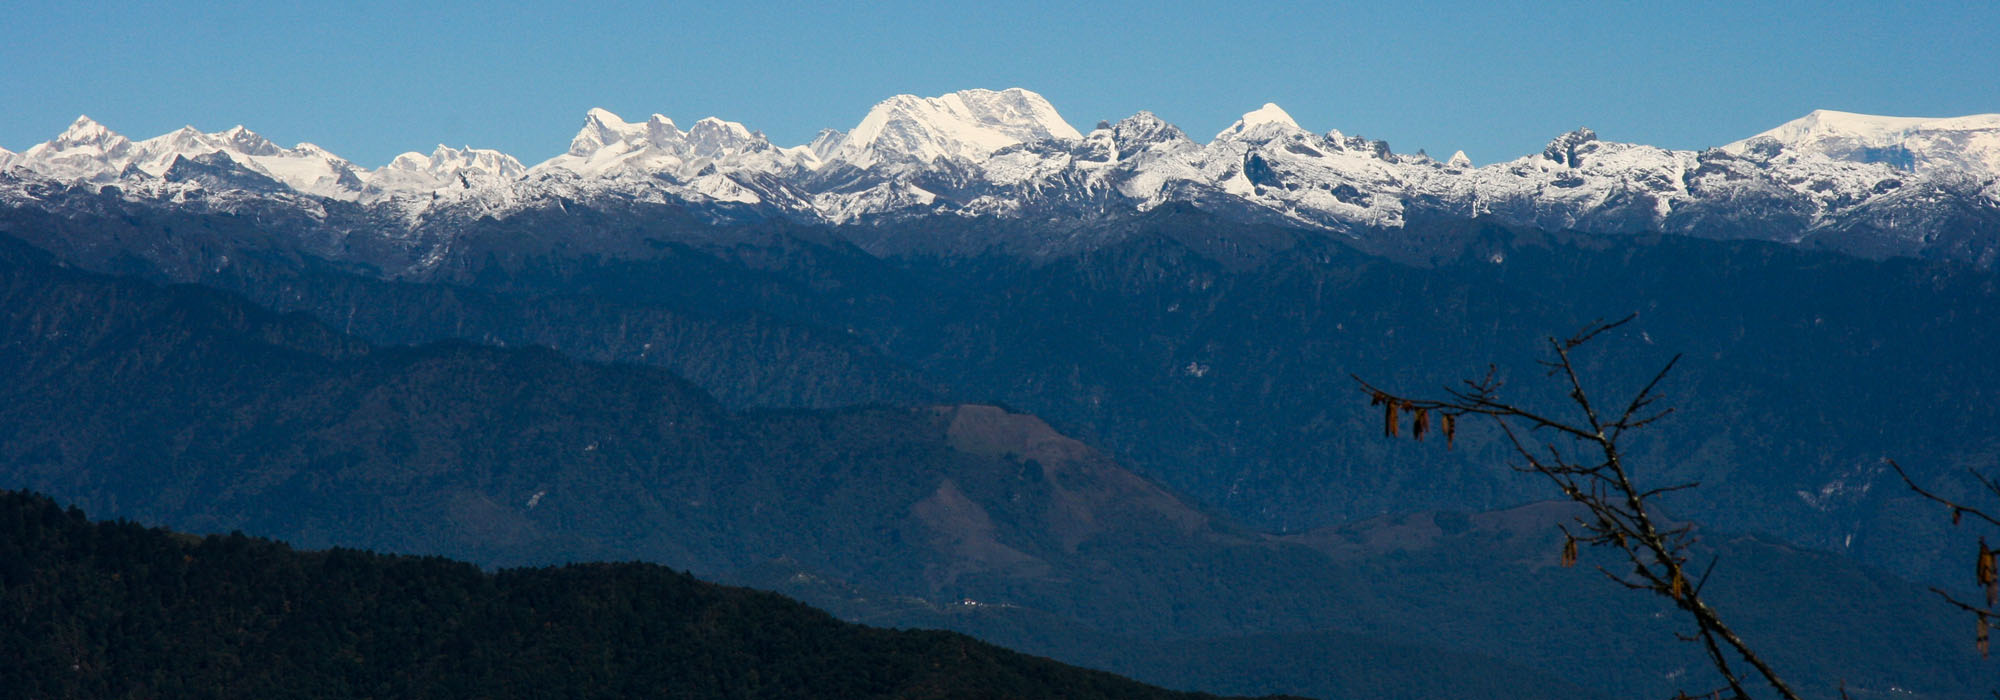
1924,145
1266,119
967,125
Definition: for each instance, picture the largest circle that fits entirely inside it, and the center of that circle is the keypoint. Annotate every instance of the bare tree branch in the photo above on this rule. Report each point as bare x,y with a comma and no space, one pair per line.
1618,513
1956,509
1988,569
1968,607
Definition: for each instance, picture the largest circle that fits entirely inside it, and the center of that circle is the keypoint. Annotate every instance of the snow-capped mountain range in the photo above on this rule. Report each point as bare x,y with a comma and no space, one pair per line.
1866,184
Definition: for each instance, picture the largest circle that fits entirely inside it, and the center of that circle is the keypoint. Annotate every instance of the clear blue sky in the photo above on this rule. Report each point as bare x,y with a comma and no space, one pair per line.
368,80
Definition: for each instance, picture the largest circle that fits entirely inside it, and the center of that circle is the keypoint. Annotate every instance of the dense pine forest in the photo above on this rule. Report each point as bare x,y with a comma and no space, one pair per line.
118,610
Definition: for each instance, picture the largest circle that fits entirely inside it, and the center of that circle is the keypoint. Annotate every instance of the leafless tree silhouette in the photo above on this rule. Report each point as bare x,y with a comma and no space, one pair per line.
1582,458
1987,576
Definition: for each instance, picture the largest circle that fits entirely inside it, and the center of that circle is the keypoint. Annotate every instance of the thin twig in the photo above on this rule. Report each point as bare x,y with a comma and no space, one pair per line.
1968,607
1955,507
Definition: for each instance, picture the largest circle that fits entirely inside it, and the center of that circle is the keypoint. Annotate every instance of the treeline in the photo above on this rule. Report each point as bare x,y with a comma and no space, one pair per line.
115,610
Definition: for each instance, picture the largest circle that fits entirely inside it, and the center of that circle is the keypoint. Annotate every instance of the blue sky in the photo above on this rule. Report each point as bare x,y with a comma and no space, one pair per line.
369,80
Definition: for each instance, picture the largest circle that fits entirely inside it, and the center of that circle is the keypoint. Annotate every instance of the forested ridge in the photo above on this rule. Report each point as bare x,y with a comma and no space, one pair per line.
118,610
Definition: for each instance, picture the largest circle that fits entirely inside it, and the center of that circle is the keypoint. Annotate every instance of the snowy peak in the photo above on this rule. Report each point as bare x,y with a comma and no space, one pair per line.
1823,125
306,168
156,155
603,130
242,140
445,168
826,142
217,170
608,146
1919,144
1262,123
1145,129
967,125
1569,149
86,150
89,151
712,137
185,139
660,131
86,132
481,159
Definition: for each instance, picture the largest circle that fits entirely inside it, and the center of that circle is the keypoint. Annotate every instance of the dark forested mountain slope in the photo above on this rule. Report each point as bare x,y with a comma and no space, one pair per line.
187,406
191,407
1232,383
1211,356
113,609
733,318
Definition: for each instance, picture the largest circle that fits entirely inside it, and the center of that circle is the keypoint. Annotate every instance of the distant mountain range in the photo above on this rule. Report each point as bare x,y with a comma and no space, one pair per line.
1866,185
787,366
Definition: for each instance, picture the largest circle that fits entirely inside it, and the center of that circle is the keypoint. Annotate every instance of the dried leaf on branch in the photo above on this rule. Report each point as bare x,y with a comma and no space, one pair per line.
1618,515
